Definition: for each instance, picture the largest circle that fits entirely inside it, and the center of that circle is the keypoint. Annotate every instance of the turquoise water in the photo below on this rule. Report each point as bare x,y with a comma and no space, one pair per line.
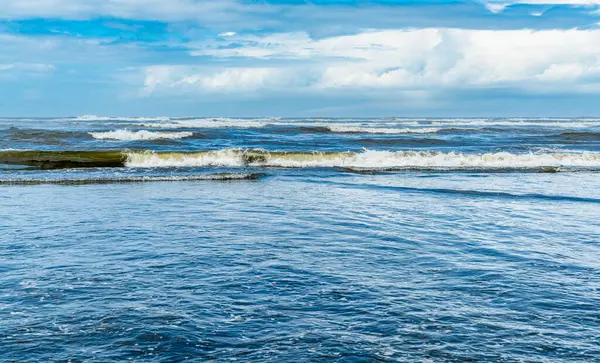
276,240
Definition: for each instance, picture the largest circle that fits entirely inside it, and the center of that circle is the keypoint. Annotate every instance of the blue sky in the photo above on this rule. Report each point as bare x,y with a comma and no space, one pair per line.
300,58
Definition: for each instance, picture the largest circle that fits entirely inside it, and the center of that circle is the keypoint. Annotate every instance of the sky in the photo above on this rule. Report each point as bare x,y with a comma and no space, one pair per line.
300,58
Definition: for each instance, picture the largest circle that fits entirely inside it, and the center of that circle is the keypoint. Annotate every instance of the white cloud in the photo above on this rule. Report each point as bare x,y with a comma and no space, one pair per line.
236,79
232,80
19,71
31,67
171,10
429,58
159,77
497,6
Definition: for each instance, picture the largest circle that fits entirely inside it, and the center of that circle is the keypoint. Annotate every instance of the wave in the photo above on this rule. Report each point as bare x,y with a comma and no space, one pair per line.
581,135
398,160
347,129
127,135
39,136
405,142
515,123
109,118
376,126
216,123
368,159
470,193
134,179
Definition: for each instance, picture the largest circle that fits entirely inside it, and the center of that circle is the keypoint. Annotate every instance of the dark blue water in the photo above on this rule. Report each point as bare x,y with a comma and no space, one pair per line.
476,240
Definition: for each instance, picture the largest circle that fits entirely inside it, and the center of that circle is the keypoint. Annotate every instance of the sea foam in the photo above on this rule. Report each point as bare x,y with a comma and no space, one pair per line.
415,160
127,135
217,123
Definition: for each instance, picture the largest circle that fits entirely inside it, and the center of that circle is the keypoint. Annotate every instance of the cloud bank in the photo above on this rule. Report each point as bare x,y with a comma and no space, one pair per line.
411,59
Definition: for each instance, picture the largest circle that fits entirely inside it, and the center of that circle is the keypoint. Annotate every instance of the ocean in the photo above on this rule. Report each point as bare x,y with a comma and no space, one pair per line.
304,240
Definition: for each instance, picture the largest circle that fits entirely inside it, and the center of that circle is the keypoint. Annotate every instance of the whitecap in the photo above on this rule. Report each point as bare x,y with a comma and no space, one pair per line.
127,135
414,160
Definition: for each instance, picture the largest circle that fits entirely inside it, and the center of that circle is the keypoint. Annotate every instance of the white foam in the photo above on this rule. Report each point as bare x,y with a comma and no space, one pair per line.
518,123
216,123
366,159
126,135
229,157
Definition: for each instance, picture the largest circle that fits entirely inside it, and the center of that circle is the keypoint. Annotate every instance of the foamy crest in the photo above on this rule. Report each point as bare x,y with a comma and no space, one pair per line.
229,157
518,123
368,159
126,135
213,123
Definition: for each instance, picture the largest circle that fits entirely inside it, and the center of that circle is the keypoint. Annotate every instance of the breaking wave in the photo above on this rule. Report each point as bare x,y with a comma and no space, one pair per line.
216,123
399,160
368,159
518,123
127,135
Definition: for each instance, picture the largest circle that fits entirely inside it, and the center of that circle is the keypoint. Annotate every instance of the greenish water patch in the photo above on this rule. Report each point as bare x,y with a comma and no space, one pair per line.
63,159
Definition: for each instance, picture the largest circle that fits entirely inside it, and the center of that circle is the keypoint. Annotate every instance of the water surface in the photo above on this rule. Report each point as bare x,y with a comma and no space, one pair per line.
274,240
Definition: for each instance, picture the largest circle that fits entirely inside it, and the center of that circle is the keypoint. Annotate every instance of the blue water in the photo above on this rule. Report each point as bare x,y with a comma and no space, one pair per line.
447,256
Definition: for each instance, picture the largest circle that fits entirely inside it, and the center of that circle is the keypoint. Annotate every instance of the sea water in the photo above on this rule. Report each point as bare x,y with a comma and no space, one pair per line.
305,240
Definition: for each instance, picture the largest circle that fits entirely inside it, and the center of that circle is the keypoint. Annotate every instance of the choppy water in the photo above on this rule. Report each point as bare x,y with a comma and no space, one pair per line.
275,240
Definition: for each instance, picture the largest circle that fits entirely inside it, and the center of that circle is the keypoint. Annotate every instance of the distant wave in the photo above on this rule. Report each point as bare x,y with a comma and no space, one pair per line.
298,126
405,142
368,159
375,126
217,123
39,136
109,118
517,123
133,179
581,135
375,130
127,135
345,129
228,122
